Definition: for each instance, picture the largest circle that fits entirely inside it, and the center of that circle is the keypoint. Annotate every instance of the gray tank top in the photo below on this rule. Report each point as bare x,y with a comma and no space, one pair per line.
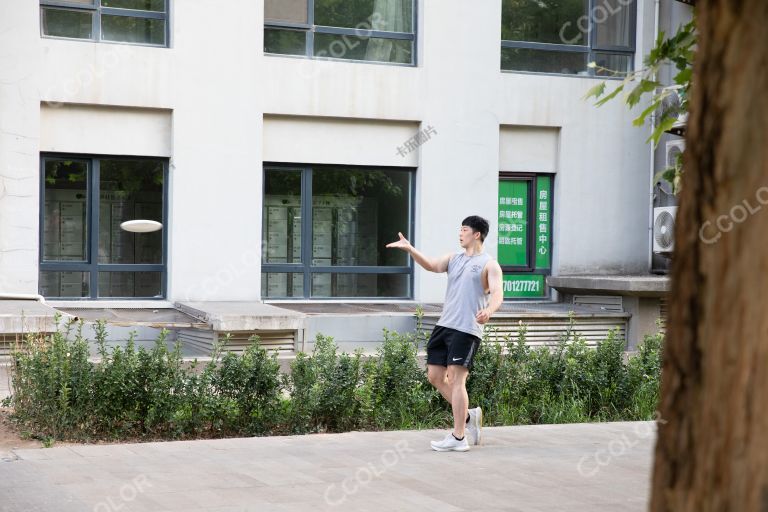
465,295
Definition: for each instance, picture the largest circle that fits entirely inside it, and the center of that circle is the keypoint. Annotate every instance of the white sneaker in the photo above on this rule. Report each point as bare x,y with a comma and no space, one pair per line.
451,444
475,425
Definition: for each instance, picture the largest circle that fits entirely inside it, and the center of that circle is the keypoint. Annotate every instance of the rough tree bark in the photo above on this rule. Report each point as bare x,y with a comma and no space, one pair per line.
712,448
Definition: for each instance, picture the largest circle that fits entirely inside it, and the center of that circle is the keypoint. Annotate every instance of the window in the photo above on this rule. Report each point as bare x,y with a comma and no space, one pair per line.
84,251
325,230
361,30
564,36
121,21
525,234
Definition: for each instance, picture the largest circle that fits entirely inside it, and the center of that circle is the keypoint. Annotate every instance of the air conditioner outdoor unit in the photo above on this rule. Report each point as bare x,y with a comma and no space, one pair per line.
672,105
674,148
664,229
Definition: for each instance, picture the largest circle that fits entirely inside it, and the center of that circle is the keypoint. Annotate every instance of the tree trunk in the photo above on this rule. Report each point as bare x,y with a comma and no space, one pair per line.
712,448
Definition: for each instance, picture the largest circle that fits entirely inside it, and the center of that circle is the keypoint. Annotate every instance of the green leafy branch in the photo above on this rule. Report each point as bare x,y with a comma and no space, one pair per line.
678,51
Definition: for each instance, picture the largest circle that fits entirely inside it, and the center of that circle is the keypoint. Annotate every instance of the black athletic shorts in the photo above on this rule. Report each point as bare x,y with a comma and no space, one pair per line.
448,346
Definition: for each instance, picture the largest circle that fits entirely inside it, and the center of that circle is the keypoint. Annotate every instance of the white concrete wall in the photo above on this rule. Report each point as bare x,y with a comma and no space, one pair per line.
529,149
219,87
216,181
338,141
19,145
107,130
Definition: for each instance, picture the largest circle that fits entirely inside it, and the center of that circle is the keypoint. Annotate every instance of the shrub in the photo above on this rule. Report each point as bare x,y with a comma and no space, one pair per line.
58,392
396,392
644,378
248,388
517,384
323,389
304,398
52,384
136,392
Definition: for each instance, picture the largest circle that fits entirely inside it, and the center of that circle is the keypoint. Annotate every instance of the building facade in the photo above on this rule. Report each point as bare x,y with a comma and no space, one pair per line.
281,145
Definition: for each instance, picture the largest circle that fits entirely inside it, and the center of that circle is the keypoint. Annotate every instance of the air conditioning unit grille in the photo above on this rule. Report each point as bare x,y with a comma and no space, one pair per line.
664,229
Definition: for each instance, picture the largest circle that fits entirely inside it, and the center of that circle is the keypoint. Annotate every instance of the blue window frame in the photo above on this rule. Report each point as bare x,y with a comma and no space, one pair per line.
141,22
348,30
564,37
85,253
325,229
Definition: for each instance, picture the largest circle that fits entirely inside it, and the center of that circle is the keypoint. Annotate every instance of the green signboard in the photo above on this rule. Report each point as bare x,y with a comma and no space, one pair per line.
517,232
523,285
513,223
543,222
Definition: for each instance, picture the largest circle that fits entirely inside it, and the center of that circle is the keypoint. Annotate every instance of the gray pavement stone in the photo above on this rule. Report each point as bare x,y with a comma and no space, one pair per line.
590,467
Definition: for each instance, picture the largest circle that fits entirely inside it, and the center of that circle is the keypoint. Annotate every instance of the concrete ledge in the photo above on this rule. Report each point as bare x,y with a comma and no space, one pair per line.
243,316
22,316
631,285
165,318
367,308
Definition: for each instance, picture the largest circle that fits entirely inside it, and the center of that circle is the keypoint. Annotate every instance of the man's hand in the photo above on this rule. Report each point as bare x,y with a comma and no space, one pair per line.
431,264
483,316
403,244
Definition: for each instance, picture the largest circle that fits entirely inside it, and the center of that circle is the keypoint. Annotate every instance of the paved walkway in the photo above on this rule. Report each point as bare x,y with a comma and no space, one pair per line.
589,467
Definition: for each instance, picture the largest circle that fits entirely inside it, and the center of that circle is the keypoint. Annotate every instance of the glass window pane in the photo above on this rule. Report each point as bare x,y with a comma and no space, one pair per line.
130,284
361,285
281,233
66,23
64,284
373,49
382,15
294,11
139,5
557,21
613,20
130,190
65,228
285,42
355,213
544,61
612,62
277,285
128,29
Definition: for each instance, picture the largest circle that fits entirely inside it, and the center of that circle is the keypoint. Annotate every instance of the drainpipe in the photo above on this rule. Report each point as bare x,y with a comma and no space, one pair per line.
653,152
22,296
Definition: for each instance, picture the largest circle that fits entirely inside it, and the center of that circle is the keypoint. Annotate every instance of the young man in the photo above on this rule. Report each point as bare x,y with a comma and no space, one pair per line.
473,278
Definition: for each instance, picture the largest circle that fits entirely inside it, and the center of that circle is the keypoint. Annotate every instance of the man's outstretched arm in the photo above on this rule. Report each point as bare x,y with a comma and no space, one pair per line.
496,290
432,264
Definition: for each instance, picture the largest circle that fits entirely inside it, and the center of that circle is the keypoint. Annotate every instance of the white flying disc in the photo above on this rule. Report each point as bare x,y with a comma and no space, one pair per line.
141,226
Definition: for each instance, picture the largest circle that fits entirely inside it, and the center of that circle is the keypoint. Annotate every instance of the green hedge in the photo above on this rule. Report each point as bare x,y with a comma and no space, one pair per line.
135,393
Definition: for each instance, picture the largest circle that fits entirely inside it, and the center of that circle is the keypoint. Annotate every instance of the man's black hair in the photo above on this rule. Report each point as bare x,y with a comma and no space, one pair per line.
478,225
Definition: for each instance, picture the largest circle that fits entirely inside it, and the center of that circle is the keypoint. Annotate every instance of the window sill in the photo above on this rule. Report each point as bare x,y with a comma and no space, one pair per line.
560,75
111,304
341,301
94,41
331,59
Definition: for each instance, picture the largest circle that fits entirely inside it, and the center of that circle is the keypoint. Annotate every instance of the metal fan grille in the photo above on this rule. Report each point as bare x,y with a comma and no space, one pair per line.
672,156
664,229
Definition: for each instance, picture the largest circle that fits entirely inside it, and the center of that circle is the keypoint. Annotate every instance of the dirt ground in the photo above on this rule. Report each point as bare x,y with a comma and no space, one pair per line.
10,438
